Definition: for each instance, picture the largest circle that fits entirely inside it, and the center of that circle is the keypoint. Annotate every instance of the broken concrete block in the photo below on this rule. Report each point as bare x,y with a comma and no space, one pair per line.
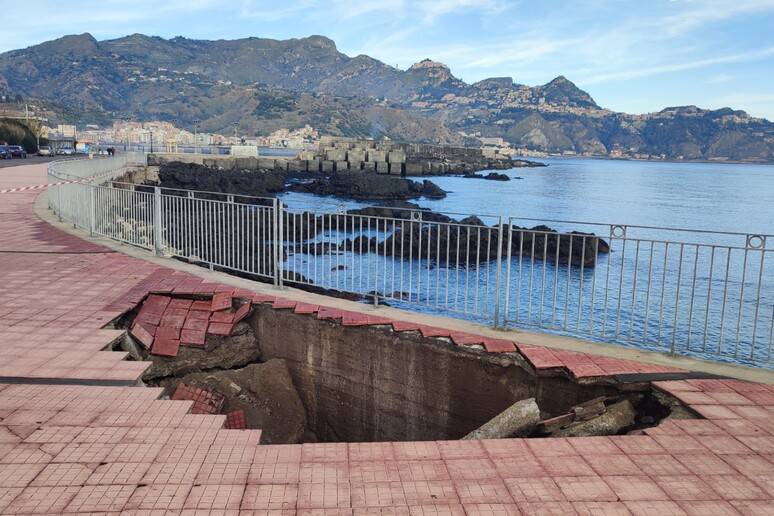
518,419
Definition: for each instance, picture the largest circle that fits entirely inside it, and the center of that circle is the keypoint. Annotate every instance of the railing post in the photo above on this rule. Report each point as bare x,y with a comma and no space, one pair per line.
157,236
59,202
92,210
508,245
278,246
498,275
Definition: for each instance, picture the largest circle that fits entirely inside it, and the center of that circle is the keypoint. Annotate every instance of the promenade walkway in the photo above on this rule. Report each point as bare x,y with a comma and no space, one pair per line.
78,435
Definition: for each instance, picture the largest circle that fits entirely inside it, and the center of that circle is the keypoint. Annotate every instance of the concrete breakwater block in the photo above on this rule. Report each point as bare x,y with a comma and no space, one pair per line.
382,167
396,169
342,166
377,156
356,156
326,166
369,166
397,157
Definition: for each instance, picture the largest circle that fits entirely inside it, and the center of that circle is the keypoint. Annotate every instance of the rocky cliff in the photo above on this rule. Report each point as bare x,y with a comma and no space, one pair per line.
264,84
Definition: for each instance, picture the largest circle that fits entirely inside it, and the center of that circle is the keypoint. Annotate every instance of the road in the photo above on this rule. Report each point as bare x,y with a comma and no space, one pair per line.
31,160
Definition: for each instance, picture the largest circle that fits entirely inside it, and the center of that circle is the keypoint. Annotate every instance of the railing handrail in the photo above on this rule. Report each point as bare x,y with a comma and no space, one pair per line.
659,295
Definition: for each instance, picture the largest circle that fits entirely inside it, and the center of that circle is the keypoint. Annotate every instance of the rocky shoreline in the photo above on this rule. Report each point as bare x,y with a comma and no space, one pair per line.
465,242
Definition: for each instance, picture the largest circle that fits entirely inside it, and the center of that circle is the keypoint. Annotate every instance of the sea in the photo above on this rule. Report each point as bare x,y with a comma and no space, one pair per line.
691,269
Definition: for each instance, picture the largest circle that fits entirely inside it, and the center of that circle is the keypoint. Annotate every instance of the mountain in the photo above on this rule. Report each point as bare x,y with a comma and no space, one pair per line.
264,84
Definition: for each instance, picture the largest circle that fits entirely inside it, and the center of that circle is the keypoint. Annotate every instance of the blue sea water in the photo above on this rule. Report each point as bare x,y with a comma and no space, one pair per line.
704,293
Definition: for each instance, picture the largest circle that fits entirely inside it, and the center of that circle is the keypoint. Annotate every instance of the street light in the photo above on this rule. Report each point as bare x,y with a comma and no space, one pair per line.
196,128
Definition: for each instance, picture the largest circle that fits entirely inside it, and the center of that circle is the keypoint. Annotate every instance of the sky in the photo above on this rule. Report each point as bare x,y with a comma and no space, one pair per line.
631,56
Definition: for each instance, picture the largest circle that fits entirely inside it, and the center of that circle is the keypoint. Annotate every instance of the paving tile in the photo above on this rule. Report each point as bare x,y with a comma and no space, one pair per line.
274,473
27,453
100,498
501,448
461,449
222,317
632,488
429,492
236,420
117,473
471,469
734,487
221,301
702,464
658,464
158,496
519,467
534,489
551,447
18,475
215,497
600,509
596,446
482,491
169,473
427,450
270,496
165,347
324,495
223,329
556,508
370,451
324,452
685,487
491,509
614,464
568,465
415,470
323,472
654,508
376,471
61,474
41,500
754,507
438,509
708,508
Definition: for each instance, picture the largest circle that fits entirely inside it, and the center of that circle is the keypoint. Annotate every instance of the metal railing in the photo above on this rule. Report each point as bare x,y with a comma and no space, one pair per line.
698,293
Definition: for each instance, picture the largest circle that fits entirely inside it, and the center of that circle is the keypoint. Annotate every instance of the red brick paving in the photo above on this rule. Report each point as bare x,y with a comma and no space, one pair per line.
77,448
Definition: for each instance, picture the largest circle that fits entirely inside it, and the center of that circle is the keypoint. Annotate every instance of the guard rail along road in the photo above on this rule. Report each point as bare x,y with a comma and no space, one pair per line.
704,294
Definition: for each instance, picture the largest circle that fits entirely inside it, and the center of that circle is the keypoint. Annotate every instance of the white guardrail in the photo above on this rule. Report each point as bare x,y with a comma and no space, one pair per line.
698,293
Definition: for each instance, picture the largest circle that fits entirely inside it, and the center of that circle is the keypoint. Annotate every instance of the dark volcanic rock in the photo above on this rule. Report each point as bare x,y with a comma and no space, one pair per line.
190,176
357,185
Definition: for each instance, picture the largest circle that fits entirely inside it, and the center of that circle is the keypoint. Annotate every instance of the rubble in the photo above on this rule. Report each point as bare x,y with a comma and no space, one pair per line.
517,420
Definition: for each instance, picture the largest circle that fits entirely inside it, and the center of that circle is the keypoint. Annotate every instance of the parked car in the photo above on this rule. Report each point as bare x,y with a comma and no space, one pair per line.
17,151
44,150
5,152
66,151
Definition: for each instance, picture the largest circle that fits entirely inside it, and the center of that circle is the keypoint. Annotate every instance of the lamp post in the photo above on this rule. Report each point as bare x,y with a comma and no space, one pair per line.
196,129
151,142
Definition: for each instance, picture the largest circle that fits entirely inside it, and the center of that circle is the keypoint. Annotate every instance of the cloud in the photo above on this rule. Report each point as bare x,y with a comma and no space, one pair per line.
678,66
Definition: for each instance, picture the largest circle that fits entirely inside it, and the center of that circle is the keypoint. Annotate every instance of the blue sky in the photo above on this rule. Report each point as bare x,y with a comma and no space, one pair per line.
633,56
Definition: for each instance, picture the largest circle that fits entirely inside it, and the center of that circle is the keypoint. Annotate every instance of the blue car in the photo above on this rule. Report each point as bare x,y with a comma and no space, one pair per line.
5,152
